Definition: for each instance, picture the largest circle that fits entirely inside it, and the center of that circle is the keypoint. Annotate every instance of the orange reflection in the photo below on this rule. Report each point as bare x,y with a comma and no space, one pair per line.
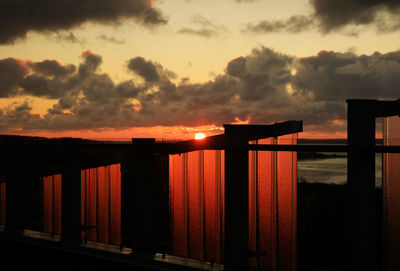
391,185
52,204
197,205
101,204
196,185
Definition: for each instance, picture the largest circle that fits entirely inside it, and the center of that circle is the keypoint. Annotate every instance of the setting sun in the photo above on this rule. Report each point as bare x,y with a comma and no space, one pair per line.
199,136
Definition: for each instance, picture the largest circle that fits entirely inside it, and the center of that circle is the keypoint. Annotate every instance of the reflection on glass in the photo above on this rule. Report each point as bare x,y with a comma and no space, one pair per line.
101,204
287,205
52,204
196,200
272,206
391,180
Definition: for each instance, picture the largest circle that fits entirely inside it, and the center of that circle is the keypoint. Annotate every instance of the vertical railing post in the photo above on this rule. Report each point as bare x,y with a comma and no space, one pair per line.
236,199
127,180
16,177
144,196
361,187
363,247
71,192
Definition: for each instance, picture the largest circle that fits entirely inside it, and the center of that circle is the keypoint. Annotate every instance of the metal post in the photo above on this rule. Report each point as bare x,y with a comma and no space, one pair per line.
15,178
361,187
126,200
144,196
363,254
71,194
236,200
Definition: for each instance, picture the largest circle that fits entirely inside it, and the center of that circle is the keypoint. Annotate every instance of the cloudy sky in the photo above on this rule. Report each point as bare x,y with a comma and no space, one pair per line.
170,68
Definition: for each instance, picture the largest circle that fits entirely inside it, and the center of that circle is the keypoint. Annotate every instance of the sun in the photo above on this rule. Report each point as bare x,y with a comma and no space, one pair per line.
199,136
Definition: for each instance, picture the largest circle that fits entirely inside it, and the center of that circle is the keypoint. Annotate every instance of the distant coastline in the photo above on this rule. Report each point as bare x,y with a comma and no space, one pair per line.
318,155
324,155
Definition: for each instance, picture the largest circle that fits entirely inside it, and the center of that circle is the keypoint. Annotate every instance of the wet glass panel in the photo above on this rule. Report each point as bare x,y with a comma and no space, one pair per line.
197,200
195,182
52,204
286,205
272,206
101,204
391,180
266,211
114,175
196,185
103,199
213,206
178,203
253,204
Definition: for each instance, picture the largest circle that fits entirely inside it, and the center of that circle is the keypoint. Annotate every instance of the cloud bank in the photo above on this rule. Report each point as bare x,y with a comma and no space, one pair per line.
264,86
205,28
17,18
334,15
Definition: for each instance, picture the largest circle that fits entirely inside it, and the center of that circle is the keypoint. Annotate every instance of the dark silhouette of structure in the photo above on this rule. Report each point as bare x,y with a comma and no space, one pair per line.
144,172
145,195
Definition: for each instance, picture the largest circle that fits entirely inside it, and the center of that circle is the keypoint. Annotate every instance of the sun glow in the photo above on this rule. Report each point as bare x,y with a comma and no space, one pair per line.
199,136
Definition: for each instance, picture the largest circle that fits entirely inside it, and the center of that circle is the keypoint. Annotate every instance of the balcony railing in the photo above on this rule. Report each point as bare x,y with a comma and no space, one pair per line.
228,201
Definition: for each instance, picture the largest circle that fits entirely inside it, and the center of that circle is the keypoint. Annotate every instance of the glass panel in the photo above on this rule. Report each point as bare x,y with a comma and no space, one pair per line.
196,188
272,206
262,207
197,214
52,204
391,180
114,176
195,182
178,203
287,205
101,205
213,193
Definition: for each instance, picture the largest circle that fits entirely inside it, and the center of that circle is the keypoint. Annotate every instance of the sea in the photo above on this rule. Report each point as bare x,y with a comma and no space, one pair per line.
332,170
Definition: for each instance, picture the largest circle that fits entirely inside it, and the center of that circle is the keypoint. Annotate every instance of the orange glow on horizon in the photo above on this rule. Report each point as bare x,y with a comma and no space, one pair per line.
199,136
158,132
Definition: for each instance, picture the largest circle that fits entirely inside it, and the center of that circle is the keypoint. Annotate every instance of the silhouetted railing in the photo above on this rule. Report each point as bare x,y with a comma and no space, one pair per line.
173,198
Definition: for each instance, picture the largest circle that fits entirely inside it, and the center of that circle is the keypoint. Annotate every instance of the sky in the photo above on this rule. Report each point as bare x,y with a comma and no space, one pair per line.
172,68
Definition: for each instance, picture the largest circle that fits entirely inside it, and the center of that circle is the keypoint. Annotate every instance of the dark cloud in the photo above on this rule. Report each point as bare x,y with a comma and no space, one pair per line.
204,28
205,33
110,39
40,86
17,18
69,37
90,65
145,69
294,24
264,86
151,72
12,72
51,68
332,76
263,74
335,15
